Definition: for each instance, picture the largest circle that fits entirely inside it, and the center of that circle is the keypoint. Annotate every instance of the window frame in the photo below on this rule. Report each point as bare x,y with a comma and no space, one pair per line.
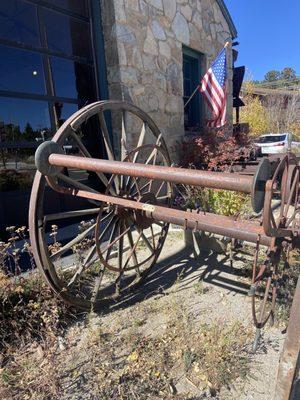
197,102
97,48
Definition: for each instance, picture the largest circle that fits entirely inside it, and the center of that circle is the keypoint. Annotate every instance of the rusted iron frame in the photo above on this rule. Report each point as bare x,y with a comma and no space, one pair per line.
214,180
199,221
290,353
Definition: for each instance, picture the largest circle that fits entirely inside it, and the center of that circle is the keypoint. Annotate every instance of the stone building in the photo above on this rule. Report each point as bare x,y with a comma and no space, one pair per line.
59,55
157,51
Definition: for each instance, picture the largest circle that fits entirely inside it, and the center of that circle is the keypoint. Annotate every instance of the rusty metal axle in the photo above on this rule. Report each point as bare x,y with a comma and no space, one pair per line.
50,161
199,221
214,180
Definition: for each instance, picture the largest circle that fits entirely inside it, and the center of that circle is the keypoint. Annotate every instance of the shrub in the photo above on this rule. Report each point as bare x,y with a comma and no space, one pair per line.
213,150
12,180
28,307
223,202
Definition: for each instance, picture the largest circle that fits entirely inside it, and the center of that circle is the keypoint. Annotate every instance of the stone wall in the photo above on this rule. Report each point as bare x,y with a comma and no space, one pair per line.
143,42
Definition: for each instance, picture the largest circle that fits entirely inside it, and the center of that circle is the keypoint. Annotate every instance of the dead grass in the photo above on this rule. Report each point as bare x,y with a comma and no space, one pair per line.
31,319
133,365
287,288
30,374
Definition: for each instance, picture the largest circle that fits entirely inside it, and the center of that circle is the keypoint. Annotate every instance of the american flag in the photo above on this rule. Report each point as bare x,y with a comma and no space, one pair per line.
213,88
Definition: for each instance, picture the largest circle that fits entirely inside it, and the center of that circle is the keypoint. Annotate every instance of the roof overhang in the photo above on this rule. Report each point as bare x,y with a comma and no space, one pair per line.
228,18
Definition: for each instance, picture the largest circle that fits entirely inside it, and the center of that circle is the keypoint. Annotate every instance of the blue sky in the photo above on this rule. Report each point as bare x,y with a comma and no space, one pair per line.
269,34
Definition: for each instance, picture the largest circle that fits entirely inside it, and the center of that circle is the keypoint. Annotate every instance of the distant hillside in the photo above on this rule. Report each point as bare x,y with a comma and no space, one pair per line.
288,84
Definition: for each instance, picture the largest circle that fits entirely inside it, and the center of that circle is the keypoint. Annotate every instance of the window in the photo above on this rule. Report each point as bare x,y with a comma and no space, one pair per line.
47,68
192,74
21,71
18,22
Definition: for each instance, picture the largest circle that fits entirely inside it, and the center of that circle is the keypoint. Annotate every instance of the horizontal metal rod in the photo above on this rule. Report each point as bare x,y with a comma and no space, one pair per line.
199,221
214,180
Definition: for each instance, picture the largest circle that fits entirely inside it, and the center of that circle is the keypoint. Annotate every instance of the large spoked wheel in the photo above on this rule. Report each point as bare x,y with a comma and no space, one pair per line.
266,279
92,252
280,224
129,242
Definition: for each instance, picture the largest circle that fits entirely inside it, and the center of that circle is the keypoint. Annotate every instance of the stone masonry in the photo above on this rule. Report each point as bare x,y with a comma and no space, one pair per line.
143,45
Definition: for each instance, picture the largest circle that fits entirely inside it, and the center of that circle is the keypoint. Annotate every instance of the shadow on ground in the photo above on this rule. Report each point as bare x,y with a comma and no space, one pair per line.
211,268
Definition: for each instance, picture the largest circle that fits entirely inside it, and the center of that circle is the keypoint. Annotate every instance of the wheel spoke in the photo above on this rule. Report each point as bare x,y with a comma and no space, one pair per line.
70,214
124,150
159,189
162,197
121,235
120,259
77,239
77,185
86,262
72,243
154,151
151,156
139,190
140,143
133,247
108,146
148,244
153,163
287,206
153,238
86,153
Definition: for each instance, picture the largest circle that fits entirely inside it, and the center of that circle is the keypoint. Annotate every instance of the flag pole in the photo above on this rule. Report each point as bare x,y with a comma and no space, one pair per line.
194,92
191,96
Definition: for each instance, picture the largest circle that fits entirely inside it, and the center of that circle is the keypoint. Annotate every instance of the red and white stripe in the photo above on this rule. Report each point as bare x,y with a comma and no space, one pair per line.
215,96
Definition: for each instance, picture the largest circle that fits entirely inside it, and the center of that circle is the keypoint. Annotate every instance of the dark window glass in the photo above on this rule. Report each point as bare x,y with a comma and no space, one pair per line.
191,79
21,71
18,22
76,6
21,112
66,35
272,139
63,111
72,79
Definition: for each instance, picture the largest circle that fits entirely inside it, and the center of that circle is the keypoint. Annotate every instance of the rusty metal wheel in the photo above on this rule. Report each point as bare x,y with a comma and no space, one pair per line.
134,239
68,258
280,223
266,278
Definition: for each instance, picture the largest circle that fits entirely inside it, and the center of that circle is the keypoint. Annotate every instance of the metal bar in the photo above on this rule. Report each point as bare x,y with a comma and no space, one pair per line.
226,226
290,353
215,180
35,96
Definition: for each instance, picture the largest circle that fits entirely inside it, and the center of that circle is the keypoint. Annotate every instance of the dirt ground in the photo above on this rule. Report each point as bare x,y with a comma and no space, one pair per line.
209,290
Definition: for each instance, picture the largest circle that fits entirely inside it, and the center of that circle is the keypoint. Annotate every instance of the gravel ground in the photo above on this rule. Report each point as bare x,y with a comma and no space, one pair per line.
209,288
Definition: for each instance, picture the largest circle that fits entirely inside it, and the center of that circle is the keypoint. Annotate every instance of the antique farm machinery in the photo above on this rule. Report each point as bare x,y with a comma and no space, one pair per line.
118,248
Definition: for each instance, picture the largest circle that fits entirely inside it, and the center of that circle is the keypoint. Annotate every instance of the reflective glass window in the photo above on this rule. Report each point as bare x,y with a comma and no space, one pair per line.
72,79
22,112
67,35
63,111
76,6
18,22
191,73
21,71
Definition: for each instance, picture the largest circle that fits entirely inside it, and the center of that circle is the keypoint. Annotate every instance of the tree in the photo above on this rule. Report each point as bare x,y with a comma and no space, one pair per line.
288,73
272,76
28,134
254,113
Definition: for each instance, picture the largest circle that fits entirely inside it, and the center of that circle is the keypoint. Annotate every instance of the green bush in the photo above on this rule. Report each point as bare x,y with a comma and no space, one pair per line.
223,202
